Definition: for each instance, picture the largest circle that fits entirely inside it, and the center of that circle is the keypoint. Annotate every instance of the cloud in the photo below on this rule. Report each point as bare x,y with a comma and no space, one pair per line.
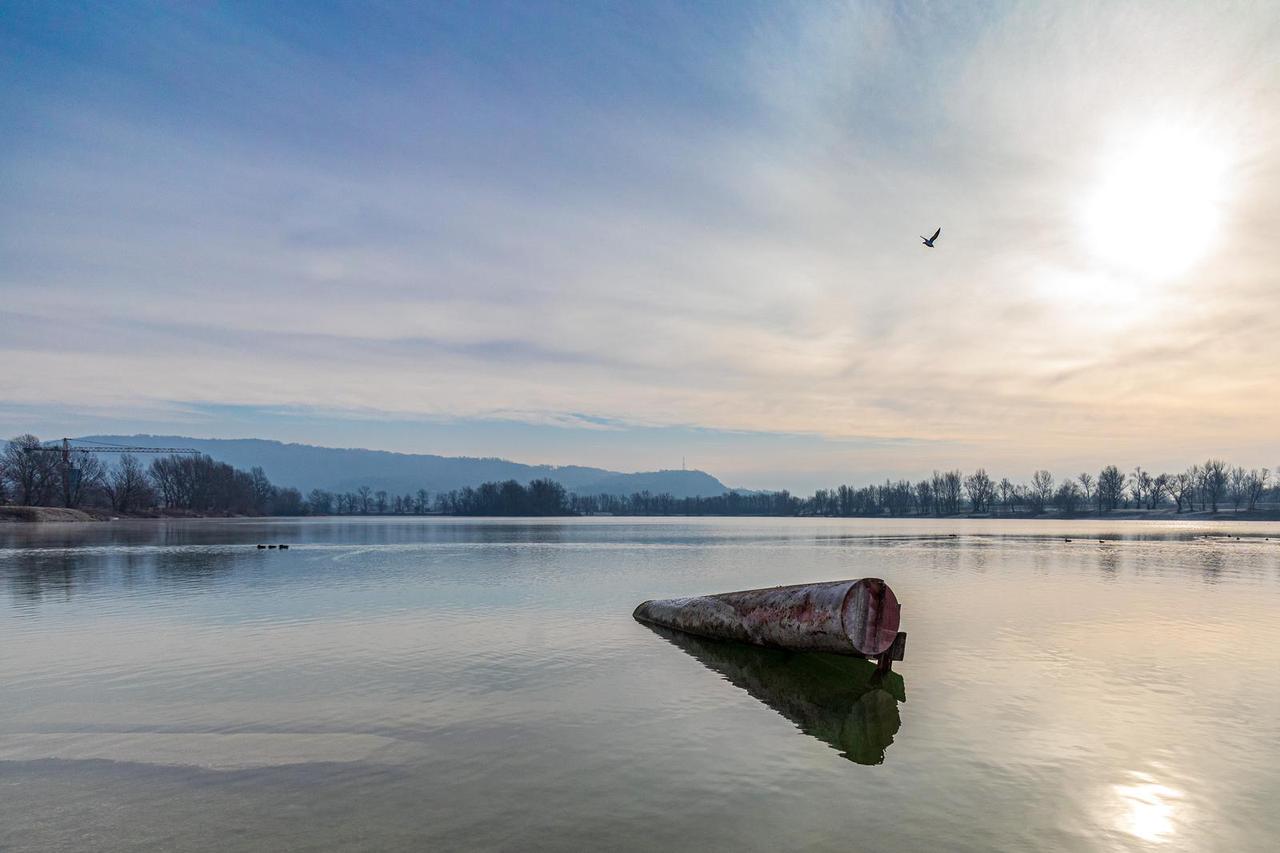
585,228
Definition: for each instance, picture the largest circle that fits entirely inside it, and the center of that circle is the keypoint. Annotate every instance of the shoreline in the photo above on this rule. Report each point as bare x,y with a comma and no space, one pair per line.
53,515
56,514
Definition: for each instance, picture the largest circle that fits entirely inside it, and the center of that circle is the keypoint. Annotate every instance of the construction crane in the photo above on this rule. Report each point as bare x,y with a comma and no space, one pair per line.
66,449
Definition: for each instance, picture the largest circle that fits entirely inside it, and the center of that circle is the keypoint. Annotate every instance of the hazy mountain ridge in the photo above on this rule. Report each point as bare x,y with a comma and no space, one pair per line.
307,467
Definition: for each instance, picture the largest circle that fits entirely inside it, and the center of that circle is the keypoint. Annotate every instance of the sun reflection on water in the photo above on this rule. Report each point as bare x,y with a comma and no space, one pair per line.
1146,809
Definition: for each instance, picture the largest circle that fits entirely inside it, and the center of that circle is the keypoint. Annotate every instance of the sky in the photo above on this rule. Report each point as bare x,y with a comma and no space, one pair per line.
626,234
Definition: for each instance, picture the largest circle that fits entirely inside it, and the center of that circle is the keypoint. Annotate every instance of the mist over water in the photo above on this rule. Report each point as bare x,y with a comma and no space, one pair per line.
447,684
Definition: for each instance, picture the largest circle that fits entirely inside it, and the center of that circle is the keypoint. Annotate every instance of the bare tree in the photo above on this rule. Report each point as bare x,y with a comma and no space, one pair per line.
1008,492
1139,486
938,485
979,488
1160,488
78,479
32,473
952,481
1257,486
263,492
1067,498
1110,487
1086,485
1237,487
1041,492
126,486
1197,477
1183,489
1214,482
320,502
363,495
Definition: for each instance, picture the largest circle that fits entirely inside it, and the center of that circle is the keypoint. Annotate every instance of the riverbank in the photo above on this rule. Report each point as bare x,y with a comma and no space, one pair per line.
45,514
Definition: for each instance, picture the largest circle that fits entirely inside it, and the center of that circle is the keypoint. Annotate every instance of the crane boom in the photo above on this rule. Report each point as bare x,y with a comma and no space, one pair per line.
65,448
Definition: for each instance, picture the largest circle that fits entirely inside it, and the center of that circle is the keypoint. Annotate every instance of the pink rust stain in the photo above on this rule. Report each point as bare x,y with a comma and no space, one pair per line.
871,616
853,617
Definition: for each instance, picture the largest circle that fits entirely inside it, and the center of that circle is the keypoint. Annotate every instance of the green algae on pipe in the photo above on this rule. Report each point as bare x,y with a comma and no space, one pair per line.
851,617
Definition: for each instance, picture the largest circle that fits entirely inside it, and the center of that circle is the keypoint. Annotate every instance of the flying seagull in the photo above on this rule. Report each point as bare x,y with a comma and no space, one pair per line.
928,241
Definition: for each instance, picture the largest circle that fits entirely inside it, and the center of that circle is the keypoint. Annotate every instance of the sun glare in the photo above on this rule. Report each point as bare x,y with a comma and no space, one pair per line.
1156,208
1147,810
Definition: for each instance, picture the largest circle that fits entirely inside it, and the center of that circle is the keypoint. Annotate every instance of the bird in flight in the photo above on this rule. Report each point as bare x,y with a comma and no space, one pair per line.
928,241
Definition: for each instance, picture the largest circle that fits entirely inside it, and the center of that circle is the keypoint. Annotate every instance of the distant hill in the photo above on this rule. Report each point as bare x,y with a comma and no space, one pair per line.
309,467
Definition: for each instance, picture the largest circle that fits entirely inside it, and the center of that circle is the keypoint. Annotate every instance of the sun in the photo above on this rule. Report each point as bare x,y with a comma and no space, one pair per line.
1156,207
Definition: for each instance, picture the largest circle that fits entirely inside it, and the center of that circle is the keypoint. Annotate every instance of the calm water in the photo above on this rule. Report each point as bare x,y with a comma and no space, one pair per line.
444,684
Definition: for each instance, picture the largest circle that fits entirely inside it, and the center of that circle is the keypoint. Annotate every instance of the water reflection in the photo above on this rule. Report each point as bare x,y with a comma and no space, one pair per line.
62,574
1146,809
354,530
838,700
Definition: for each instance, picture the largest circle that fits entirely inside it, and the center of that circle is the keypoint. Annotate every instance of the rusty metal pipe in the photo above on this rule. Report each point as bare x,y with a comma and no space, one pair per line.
852,617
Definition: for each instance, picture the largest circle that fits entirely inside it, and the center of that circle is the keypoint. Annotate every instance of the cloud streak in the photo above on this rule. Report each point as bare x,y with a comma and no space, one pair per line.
659,219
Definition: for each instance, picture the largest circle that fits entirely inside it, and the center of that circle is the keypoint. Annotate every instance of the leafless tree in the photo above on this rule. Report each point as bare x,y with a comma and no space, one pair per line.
126,486
321,502
1160,489
1139,485
1008,492
938,486
947,488
1257,486
1041,491
78,479
979,488
1197,478
1237,486
32,473
1110,487
1183,488
263,491
1214,482
202,484
1067,498
924,497
1086,485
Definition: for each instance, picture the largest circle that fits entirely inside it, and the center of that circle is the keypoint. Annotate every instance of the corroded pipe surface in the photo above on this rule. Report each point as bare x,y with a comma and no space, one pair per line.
854,617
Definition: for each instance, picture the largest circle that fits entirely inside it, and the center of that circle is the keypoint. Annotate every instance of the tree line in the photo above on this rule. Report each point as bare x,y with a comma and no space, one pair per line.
1210,487
31,475
539,497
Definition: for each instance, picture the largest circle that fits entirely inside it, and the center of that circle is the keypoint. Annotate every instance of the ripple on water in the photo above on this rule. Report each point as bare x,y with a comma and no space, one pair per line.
448,684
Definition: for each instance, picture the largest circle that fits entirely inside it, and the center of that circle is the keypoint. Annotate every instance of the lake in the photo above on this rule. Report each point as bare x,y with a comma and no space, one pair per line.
392,684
